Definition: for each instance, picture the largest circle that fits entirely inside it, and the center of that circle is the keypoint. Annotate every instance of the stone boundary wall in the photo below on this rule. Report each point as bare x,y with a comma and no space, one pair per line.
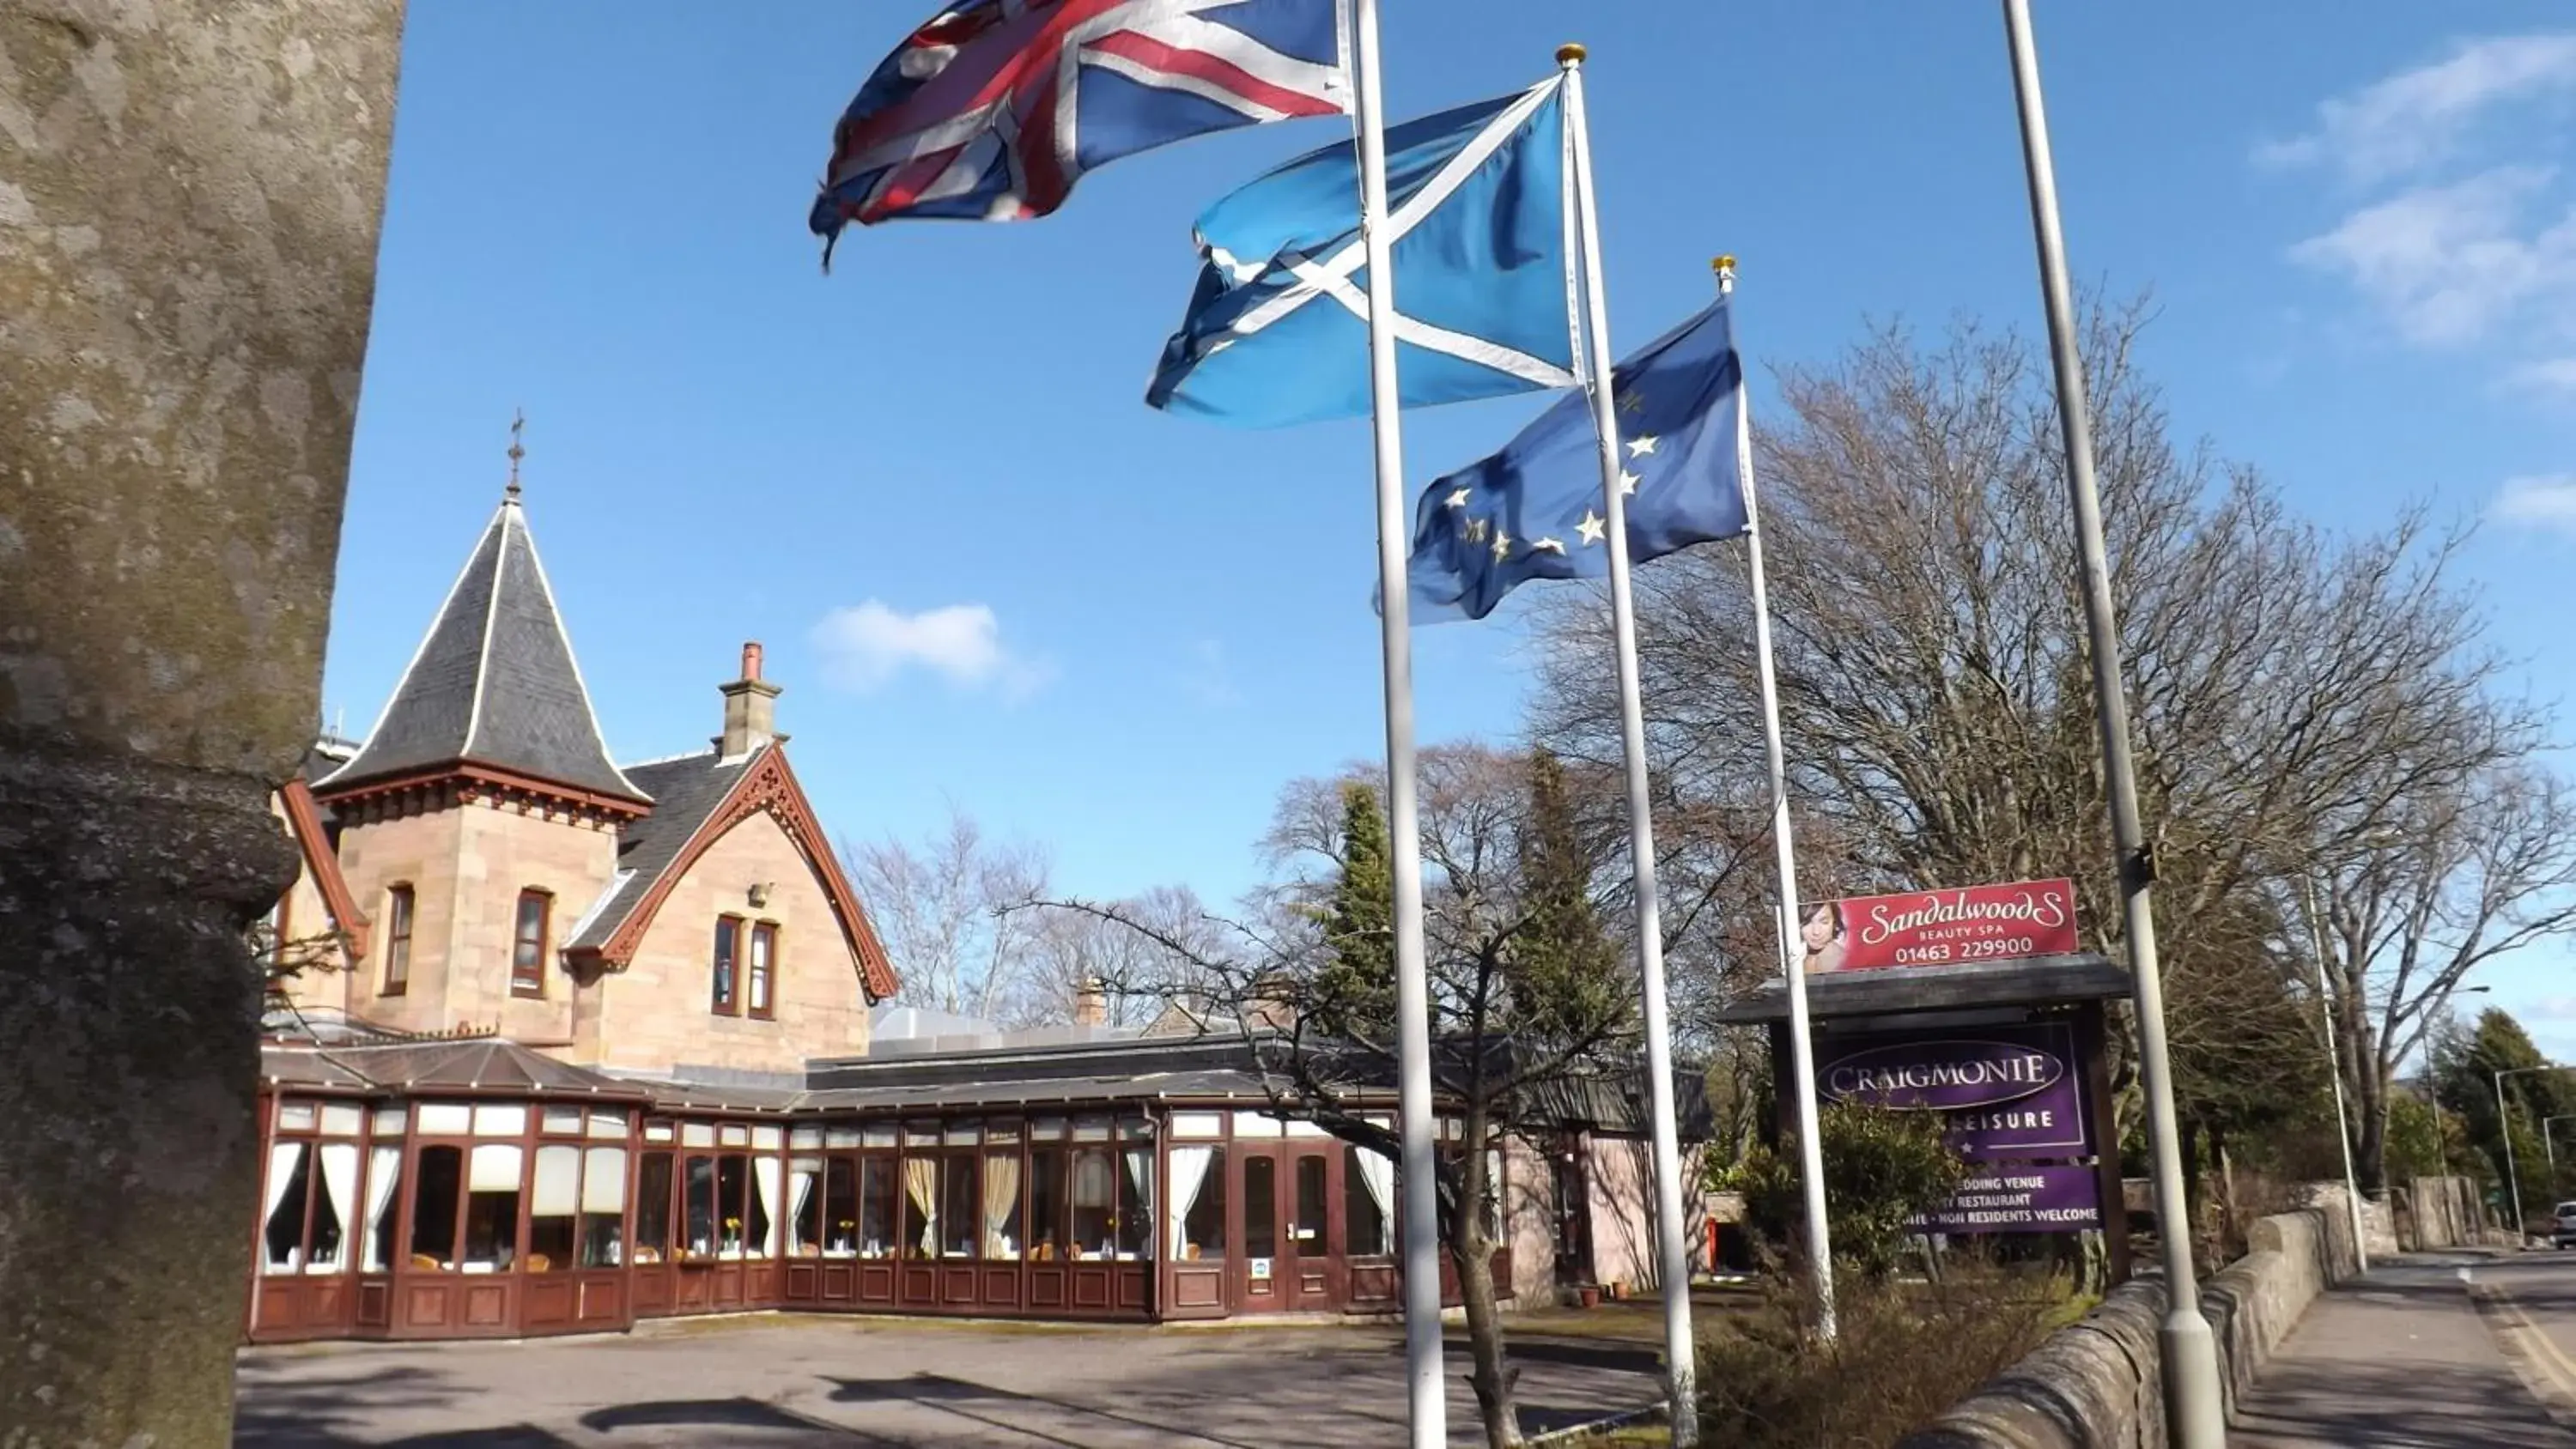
2444,1212
2095,1384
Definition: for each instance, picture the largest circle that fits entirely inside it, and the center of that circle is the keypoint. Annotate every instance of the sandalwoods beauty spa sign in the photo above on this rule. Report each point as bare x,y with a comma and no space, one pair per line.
1942,927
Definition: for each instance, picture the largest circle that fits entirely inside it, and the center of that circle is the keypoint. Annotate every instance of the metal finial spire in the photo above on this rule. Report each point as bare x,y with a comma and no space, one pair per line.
518,423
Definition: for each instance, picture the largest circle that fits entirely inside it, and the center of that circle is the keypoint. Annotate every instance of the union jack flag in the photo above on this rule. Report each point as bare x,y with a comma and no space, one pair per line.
992,109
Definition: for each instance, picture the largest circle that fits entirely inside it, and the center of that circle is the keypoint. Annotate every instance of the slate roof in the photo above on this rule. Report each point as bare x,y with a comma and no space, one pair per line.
2005,981
685,791
471,1064
494,682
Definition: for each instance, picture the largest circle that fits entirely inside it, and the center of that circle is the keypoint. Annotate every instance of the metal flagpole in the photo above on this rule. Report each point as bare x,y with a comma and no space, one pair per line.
2334,1064
1672,1254
1425,1384
1802,1046
2195,1411
2513,1173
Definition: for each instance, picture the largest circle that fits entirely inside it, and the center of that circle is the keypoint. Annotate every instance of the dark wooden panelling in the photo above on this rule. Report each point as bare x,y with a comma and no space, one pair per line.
1047,1286
1197,1289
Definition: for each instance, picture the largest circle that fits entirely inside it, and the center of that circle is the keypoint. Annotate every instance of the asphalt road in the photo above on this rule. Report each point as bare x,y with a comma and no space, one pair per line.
2431,1352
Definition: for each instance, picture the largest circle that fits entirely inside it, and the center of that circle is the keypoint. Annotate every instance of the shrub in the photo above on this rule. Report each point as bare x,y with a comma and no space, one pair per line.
1881,1167
1903,1353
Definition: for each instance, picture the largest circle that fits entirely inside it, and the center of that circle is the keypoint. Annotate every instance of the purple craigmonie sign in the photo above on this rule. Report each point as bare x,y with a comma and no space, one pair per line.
2016,1197
1943,1075
2006,1091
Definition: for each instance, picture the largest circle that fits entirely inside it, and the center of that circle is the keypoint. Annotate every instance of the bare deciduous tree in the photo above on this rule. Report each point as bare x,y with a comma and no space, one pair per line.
1526,990
1138,978
945,910
2290,688
2461,876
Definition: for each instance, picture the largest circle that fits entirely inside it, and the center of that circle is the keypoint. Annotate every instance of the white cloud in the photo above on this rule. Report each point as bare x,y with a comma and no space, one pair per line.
2418,117
2452,264
2548,502
2555,375
867,645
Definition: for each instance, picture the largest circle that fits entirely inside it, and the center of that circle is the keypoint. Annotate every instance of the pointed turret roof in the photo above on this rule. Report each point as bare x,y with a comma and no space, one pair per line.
494,683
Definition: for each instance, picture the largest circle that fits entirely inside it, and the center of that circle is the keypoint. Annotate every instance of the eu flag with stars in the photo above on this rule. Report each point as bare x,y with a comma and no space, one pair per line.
1534,510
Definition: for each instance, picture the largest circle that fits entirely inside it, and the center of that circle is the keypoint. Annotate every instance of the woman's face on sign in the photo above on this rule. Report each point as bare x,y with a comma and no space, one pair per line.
1819,931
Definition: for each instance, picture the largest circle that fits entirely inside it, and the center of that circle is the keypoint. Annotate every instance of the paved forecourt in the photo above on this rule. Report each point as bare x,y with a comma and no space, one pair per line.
774,1382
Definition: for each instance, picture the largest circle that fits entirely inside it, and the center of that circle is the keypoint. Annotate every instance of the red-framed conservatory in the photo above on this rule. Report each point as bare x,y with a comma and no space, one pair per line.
464,1189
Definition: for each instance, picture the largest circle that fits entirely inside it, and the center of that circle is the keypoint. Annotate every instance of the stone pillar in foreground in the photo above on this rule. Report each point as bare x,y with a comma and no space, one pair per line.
190,192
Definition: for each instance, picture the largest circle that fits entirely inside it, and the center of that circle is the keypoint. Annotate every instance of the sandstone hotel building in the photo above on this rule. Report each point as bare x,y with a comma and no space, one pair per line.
577,1042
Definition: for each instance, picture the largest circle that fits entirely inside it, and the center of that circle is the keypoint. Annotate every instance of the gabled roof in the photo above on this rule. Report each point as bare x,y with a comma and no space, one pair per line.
685,792
697,799
322,862
493,684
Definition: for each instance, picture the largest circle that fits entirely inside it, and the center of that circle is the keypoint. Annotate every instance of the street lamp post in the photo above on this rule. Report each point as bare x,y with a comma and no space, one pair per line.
2334,1068
2504,1129
2195,1395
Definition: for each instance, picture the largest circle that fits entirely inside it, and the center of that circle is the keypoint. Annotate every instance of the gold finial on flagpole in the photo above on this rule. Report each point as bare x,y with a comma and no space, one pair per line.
1570,54
1723,265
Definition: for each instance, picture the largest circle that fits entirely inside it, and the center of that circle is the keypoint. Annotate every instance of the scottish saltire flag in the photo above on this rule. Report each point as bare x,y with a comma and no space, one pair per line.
1277,330
993,108
1533,510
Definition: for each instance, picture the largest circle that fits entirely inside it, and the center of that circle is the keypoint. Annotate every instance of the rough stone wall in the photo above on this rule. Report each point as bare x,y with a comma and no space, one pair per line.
418,850
190,192
2095,1385
500,852
2443,1212
654,1014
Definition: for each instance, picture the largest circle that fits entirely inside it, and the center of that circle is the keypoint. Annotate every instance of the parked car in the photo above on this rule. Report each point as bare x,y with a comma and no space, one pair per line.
2562,1233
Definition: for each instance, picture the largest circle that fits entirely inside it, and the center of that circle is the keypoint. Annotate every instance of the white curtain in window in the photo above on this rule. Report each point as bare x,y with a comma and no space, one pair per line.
340,1182
764,1177
803,1174
384,1174
921,1184
1094,1185
603,1181
1140,1203
283,1158
1189,1173
1493,1192
557,1192
495,1168
1001,1194
1377,1174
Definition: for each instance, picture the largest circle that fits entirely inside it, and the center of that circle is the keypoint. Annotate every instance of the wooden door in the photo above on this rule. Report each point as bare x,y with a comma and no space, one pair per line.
1310,1244
1261,1273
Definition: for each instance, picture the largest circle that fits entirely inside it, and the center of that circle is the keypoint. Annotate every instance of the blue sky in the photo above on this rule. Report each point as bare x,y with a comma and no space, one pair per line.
988,574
